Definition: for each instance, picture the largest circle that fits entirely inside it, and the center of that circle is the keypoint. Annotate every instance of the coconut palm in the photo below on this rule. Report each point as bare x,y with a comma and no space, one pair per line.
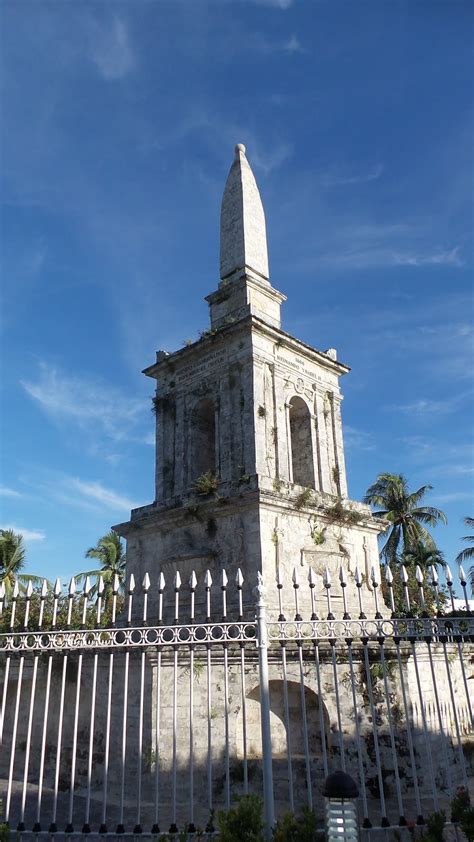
468,552
12,561
109,551
419,555
400,507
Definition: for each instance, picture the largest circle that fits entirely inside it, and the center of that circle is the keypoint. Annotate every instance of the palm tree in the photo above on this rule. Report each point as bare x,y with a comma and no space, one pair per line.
12,561
109,551
469,551
419,555
401,508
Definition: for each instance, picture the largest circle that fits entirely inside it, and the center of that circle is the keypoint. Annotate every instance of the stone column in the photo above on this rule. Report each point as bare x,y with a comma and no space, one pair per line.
324,466
159,455
315,453
181,462
339,444
281,428
288,441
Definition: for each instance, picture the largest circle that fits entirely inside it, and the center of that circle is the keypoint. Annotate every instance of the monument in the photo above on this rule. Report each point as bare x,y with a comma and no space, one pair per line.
250,468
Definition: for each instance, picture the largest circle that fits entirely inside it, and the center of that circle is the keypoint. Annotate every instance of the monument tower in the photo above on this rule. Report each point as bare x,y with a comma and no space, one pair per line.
250,469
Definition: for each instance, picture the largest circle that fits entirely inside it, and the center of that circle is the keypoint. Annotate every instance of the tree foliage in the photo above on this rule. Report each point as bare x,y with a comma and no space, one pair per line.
407,518
109,552
12,562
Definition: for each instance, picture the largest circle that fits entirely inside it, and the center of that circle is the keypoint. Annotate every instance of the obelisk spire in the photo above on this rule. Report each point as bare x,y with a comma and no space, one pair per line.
243,232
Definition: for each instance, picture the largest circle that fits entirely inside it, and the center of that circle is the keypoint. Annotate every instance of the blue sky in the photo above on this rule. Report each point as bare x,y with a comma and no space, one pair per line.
119,122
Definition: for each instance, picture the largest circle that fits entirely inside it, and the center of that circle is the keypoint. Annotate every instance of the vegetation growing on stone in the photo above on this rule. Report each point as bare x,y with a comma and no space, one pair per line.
207,483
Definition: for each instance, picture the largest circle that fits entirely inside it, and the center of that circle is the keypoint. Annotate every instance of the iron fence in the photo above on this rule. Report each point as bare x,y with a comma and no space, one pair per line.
145,712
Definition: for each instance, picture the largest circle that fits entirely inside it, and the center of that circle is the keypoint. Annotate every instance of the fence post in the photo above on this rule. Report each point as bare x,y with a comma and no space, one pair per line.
262,643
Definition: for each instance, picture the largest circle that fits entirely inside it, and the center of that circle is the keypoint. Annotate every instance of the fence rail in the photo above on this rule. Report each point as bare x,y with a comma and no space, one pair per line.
144,712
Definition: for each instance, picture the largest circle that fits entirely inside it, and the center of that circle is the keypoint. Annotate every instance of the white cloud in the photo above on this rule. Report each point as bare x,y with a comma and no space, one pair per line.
363,256
112,52
293,46
97,493
340,180
427,407
9,492
448,257
275,4
355,439
88,404
28,534
271,159
452,497
423,406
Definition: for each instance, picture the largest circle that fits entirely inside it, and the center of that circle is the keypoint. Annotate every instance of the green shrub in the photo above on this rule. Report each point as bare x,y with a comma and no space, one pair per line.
463,812
244,823
291,829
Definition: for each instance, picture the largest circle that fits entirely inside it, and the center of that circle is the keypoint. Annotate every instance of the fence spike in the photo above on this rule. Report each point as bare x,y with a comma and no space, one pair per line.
434,575
57,587
177,581
239,579
404,574
373,577
115,584
193,581
388,575
327,578
419,574
279,577
342,576
29,589
44,589
72,586
2,590
100,586
311,578
131,583
208,579
161,583
224,580
357,576
16,589
462,576
449,575
87,586
295,578
146,583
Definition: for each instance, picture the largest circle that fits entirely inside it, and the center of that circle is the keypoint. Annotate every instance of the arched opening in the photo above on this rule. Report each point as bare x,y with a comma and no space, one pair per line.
301,444
203,438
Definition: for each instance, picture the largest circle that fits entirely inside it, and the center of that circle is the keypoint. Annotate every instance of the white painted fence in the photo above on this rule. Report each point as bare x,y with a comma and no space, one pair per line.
146,713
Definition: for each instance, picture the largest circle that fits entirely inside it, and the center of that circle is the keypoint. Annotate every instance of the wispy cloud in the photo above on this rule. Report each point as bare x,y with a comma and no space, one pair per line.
356,439
449,257
364,256
275,4
112,52
293,45
272,158
92,406
9,492
340,180
28,534
427,407
452,497
423,406
96,493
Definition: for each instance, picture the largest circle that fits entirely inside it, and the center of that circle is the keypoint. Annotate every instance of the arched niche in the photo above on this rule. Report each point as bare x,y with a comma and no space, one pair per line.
278,725
302,458
203,437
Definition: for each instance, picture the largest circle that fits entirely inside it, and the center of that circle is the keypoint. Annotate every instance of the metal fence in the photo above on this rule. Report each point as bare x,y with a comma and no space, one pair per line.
146,712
